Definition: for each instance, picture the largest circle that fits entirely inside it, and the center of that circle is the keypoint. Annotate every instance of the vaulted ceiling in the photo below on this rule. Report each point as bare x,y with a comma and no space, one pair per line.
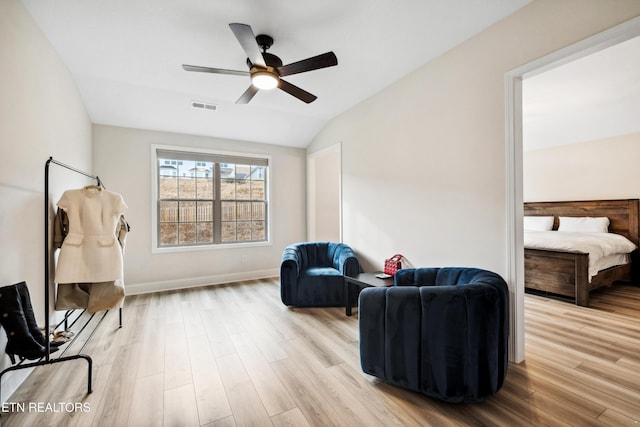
126,57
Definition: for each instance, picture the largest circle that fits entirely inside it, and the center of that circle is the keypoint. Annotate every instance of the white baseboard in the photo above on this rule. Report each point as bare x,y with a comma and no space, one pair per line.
192,282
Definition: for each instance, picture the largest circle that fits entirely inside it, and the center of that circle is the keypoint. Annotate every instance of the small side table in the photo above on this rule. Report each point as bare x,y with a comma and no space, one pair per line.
362,280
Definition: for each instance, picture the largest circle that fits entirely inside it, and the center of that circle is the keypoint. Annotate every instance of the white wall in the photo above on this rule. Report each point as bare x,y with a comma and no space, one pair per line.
424,170
41,115
601,169
423,160
122,160
324,195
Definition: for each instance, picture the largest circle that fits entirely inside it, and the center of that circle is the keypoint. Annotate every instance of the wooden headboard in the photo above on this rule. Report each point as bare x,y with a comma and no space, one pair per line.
623,214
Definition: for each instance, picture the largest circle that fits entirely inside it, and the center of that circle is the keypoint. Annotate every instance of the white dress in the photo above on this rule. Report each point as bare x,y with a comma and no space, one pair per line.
90,252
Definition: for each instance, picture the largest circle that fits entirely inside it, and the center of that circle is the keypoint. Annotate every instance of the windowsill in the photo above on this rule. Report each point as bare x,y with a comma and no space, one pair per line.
219,246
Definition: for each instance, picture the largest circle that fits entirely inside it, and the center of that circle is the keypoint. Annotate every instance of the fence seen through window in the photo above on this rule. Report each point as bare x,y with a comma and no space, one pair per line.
207,202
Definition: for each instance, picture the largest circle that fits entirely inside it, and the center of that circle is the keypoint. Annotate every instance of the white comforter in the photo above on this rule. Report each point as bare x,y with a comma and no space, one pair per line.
604,249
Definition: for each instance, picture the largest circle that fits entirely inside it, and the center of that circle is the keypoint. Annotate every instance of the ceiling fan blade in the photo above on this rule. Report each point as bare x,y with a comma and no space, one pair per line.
247,95
213,70
328,59
293,90
247,39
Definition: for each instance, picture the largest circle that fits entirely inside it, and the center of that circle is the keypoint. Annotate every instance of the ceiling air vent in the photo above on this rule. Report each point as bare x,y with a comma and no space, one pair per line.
203,105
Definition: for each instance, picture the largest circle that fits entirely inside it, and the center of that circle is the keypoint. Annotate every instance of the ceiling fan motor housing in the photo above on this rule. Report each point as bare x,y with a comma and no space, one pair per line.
272,60
269,59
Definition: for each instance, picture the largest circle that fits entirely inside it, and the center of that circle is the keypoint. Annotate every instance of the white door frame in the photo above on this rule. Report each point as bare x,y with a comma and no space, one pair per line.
513,129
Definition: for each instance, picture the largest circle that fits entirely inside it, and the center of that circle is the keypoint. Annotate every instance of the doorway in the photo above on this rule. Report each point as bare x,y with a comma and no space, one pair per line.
514,159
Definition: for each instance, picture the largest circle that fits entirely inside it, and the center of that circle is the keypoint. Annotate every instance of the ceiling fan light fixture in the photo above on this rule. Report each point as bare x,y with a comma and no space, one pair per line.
264,78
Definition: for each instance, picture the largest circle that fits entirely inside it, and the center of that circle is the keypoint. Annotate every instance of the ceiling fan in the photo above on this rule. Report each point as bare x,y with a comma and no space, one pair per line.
265,69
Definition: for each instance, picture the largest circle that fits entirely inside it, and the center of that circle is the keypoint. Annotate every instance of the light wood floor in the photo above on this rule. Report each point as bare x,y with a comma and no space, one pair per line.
233,355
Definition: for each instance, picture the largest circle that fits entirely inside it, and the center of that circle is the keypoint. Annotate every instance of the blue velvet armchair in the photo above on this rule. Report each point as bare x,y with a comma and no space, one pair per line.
312,274
439,331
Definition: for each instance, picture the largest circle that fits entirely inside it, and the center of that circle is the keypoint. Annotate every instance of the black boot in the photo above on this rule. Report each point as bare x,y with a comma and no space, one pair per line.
20,341
30,317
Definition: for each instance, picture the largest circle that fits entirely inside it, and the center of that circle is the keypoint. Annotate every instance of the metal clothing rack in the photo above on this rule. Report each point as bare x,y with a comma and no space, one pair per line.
47,359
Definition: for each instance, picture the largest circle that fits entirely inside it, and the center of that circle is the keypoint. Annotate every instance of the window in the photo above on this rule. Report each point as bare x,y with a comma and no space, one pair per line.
208,198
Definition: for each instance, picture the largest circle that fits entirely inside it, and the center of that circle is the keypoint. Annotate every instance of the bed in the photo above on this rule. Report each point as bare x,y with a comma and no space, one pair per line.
565,273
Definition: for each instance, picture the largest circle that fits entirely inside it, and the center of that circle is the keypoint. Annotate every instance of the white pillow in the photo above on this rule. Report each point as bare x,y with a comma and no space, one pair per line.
538,223
584,224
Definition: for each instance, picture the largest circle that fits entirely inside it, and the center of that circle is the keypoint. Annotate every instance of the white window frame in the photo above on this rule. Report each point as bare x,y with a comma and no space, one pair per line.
155,248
